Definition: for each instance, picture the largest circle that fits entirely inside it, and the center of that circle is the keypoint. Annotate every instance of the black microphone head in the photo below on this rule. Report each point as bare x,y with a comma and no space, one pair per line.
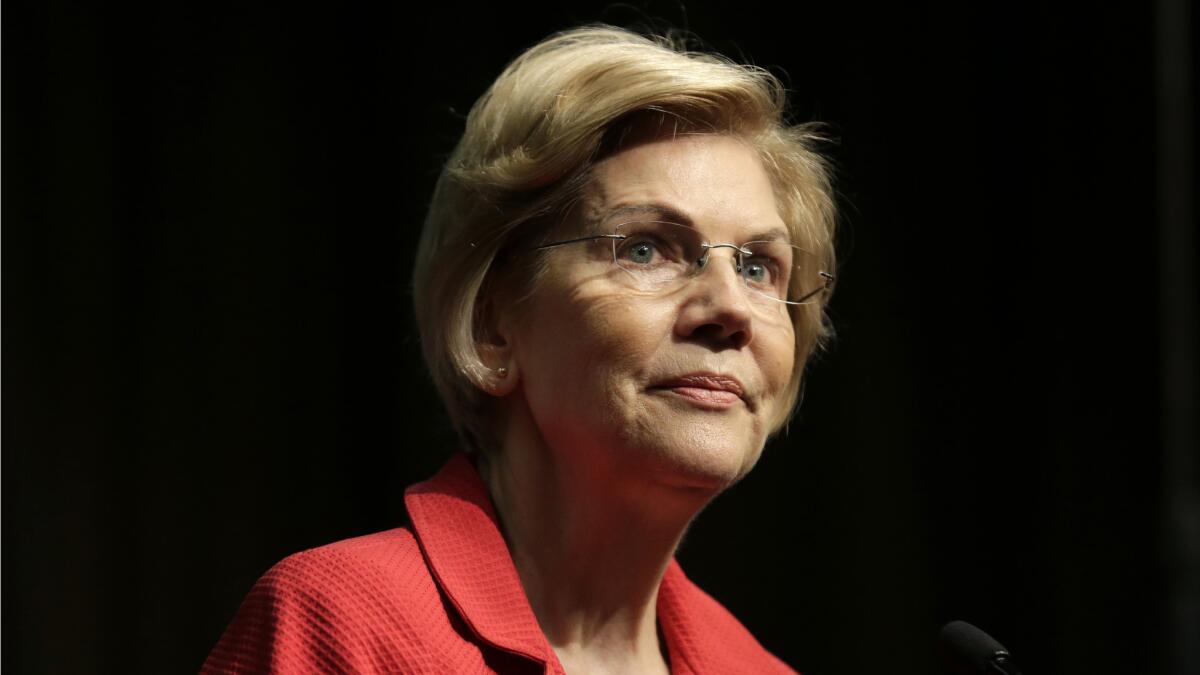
967,650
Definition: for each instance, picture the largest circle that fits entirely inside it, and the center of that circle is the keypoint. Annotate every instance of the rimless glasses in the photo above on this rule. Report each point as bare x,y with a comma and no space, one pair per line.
659,256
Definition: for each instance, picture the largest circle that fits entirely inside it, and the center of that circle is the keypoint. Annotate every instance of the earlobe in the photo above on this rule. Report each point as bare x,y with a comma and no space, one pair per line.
505,378
500,374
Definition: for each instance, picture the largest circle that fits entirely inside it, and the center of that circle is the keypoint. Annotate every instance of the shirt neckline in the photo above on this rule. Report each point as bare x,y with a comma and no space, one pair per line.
456,526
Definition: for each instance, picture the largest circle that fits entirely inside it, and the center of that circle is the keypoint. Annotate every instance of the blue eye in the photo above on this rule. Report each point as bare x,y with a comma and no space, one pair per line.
758,272
641,252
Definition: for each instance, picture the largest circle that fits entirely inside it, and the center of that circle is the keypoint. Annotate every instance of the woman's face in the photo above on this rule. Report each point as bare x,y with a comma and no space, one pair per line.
680,385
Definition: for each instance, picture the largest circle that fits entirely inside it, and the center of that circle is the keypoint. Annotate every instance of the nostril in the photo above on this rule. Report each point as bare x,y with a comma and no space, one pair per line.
719,335
708,336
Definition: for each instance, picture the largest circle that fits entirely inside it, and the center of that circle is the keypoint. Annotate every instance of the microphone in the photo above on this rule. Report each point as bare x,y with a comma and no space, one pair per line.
966,650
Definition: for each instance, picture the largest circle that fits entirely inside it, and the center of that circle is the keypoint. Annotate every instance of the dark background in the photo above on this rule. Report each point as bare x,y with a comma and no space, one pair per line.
210,360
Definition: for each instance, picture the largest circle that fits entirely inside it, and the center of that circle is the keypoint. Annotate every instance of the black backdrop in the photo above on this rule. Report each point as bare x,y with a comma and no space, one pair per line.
210,361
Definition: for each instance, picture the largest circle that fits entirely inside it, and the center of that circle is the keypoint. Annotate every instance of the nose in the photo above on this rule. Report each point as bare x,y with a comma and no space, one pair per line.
715,310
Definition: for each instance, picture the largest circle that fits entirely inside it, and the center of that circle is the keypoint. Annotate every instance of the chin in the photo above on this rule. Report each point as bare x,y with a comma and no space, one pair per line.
690,445
696,457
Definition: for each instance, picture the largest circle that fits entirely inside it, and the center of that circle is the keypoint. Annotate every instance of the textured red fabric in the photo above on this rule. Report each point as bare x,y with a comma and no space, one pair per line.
442,596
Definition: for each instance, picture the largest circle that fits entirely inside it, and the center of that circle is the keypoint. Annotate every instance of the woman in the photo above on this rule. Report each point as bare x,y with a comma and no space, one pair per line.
622,273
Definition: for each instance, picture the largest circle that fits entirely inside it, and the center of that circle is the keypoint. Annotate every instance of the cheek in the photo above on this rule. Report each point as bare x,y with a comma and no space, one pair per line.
588,348
584,363
778,356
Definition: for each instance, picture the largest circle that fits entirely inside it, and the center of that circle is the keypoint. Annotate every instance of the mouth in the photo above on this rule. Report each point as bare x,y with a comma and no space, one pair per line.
706,390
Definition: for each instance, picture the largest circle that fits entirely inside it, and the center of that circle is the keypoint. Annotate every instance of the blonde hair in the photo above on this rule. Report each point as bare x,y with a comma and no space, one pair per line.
529,143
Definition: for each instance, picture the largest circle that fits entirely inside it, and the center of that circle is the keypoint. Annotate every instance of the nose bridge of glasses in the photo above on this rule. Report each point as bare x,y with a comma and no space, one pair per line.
735,258
706,249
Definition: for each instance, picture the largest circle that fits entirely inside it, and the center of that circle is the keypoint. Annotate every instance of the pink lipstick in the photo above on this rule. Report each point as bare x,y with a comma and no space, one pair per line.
707,390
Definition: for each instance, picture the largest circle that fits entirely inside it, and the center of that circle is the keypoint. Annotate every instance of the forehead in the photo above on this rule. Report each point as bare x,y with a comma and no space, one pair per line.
715,182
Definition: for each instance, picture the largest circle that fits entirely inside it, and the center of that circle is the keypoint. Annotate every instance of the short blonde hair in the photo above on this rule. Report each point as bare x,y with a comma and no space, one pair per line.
529,143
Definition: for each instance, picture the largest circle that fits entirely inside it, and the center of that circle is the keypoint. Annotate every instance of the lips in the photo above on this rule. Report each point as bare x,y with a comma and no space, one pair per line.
708,390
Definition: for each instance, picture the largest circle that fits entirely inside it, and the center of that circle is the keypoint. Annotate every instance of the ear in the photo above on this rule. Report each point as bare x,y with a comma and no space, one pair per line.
500,375
494,344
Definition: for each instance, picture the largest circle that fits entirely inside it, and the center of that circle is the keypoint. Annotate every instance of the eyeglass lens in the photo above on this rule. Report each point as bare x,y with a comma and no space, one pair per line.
659,254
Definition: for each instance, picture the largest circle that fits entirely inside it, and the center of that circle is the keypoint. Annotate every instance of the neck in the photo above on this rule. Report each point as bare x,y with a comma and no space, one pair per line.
591,544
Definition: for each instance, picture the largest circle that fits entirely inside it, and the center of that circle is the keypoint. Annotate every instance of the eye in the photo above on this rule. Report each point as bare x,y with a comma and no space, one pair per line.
654,247
639,252
761,272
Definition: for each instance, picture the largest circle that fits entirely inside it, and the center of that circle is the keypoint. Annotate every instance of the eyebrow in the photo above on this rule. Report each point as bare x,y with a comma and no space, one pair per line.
674,215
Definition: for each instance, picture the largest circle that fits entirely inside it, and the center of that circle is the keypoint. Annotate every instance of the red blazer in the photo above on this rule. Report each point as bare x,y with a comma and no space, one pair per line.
442,596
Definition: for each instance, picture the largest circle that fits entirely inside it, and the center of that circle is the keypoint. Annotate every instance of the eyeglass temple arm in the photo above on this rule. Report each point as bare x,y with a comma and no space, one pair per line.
579,239
824,287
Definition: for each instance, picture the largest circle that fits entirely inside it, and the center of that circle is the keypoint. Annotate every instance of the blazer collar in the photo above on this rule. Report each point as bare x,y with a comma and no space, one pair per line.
456,525
455,522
